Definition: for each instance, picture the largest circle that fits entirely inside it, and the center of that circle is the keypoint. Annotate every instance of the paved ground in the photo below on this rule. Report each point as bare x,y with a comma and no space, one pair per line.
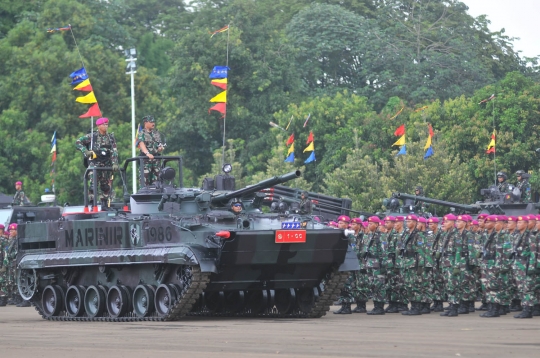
25,334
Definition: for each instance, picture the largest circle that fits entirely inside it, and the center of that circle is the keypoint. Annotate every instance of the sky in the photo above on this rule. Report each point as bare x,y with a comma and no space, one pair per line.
519,18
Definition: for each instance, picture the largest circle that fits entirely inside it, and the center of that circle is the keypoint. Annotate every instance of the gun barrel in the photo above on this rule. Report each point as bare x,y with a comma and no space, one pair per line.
256,187
464,207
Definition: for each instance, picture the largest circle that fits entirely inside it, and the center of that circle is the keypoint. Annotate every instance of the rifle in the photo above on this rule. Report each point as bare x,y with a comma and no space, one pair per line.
376,234
465,244
485,254
411,236
517,244
433,253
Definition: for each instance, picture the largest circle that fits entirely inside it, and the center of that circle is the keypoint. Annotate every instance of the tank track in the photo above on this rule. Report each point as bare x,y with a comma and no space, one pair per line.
329,290
180,309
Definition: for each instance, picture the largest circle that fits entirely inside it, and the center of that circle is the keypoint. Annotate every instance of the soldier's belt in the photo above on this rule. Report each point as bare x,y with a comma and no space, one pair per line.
409,254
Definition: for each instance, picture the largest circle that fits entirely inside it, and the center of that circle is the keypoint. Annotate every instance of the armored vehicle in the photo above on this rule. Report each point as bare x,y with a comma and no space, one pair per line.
495,203
168,251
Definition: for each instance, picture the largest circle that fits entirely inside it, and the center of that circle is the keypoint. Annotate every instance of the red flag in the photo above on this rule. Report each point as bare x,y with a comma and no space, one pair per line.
92,112
430,130
400,131
310,138
290,140
220,107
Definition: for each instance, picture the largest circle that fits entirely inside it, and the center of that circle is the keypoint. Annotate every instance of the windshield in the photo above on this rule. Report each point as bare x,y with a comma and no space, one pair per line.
5,215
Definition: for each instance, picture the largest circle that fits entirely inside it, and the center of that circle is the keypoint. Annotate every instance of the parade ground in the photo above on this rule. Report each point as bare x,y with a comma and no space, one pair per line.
23,333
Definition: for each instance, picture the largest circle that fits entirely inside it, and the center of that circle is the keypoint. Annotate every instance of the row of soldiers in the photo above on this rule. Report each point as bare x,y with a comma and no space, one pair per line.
9,293
415,264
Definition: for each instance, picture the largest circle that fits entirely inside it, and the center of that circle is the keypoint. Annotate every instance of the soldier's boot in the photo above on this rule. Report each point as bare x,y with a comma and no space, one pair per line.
24,303
345,309
515,306
525,313
3,301
506,309
360,307
415,310
536,310
483,306
392,307
378,309
472,308
451,308
402,307
454,311
438,306
463,307
493,311
425,308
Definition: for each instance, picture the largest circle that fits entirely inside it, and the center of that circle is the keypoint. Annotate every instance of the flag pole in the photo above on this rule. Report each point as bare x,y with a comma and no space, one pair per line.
495,151
225,114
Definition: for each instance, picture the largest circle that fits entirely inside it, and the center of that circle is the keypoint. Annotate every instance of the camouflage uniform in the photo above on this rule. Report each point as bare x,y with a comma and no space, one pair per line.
412,268
504,249
349,291
4,244
20,198
433,245
451,262
372,254
104,145
152,140
10,255
524,268
504,187
388,245
525,187
399,290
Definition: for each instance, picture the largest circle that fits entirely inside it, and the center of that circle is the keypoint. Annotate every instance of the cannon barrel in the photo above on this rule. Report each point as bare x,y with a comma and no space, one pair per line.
251,189
464,207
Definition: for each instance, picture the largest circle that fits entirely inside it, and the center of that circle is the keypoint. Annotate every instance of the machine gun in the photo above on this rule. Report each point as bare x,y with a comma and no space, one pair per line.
485,254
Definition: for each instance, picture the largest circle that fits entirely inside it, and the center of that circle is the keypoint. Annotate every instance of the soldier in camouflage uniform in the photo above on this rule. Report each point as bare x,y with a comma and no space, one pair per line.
480,239
524,186
4,292
503,186
490,279
10,261
372,255
433,244
503,260
410,260
450,256
99,148
524,266
536,260
419,205
388,242
514,234
361,292
19,198
399,291
150,143
425,265
468,264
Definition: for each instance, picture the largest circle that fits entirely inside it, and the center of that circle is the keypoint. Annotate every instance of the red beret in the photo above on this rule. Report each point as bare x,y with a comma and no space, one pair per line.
411,217
390,218
365,224
101,121
356,221
422,220
463,218
374,219
344,218
12,226
492,218
513,218
482,216
402,218
2,226
450,217
502,218
433,220
474,222
332,224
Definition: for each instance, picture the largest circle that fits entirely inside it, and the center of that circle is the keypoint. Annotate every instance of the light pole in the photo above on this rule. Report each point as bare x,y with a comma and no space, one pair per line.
132,68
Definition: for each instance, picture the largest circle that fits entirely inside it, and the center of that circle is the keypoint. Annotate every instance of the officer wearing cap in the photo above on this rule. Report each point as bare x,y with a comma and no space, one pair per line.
524,186
99,149
503,186
306,207
19,198
150,142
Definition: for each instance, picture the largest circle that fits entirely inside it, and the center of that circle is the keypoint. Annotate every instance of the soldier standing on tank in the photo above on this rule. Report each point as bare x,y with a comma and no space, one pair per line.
434,242
305,206
99,148
524,186
372,255
503,186
419,205
4,291
523,267
19,198
150,143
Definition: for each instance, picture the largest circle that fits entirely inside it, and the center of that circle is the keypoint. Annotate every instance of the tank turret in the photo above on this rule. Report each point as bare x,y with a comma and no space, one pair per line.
459,207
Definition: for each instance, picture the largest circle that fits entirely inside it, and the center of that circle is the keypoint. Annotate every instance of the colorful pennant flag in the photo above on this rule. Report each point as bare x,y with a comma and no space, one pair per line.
487,99
428,148
307,119
491,145
84,86
400,141
310,138
221,83
78,76
223,29
290,140
219,72
402,150
290,158
88,99
222,97
93,111
53,147
220,107
54,29
310,148
291,149
400,130
311,158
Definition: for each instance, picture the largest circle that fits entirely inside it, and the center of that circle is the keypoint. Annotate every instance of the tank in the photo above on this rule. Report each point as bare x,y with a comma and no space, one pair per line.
496,203
168,252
